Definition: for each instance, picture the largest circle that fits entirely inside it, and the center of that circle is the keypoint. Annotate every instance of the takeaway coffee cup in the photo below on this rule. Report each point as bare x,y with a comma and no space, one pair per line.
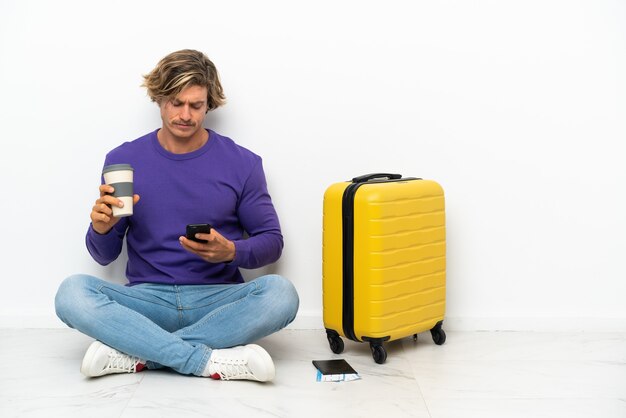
120,176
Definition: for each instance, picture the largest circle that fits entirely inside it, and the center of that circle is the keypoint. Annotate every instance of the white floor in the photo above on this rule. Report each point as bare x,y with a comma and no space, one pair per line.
475,374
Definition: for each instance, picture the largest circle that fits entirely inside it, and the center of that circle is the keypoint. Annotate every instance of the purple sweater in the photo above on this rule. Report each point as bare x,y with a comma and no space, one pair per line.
222,184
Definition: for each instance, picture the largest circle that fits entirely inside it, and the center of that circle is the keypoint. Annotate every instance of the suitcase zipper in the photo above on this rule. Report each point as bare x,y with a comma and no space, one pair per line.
347,208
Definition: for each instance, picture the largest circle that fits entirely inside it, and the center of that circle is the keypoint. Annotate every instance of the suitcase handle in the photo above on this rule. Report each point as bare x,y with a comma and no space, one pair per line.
367,177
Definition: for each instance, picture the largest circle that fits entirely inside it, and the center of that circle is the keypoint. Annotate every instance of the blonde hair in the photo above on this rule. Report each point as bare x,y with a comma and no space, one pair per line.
182,69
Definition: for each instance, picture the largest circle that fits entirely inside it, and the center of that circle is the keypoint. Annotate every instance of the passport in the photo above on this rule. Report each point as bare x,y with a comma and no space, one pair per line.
337,370
336,366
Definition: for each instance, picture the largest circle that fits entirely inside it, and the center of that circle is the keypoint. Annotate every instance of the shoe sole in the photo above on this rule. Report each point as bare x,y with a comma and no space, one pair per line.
270,373
89,357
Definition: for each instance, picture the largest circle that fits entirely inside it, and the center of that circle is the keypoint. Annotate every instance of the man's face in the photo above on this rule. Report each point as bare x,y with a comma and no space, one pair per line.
184,114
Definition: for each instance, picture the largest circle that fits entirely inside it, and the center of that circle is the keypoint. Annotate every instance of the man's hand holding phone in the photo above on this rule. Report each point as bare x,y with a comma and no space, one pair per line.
207,243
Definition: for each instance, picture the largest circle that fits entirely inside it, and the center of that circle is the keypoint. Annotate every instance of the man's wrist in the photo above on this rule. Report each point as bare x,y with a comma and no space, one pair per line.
233,253
98,232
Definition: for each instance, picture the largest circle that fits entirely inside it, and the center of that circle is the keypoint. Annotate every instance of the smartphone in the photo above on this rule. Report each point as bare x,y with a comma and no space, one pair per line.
193,229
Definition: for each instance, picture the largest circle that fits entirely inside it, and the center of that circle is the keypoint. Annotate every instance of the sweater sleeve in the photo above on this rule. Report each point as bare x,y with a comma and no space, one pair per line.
258,217
105,248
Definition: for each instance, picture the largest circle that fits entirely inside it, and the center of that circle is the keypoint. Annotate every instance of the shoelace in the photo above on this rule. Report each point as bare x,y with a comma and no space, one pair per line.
231,368
122,362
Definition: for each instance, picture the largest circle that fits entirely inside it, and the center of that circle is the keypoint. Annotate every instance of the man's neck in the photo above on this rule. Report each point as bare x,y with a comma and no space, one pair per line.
177,145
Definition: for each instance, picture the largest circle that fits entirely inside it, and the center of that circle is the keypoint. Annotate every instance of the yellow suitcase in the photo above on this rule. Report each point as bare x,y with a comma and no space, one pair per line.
384,260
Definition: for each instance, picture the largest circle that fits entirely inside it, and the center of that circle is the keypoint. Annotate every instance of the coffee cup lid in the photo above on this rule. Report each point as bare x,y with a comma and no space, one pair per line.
116,167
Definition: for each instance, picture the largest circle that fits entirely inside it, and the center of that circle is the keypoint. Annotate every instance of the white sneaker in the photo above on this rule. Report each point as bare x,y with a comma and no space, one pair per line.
249,362
101,359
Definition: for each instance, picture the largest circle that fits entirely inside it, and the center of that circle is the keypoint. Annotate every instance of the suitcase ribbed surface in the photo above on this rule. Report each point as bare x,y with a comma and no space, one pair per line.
399,258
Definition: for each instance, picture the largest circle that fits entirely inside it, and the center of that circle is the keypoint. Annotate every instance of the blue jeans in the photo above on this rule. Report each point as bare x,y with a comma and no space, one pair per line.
176,326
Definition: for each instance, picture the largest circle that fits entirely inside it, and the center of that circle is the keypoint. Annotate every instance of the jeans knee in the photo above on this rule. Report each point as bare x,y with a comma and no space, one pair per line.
70,294
285,301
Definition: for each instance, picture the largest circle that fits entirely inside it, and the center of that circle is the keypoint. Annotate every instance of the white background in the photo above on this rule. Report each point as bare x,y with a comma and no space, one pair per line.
518,108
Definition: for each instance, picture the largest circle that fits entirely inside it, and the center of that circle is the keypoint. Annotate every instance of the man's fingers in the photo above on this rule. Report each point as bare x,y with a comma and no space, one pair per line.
102,208
189,244
110,200
199,248
106,189
207,237
97,216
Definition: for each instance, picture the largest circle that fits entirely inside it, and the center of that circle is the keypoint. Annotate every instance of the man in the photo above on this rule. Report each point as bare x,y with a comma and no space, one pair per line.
186,306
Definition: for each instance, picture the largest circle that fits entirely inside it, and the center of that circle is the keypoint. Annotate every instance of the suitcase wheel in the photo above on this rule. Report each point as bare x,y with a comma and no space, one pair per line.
335,341
438,334
378,352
